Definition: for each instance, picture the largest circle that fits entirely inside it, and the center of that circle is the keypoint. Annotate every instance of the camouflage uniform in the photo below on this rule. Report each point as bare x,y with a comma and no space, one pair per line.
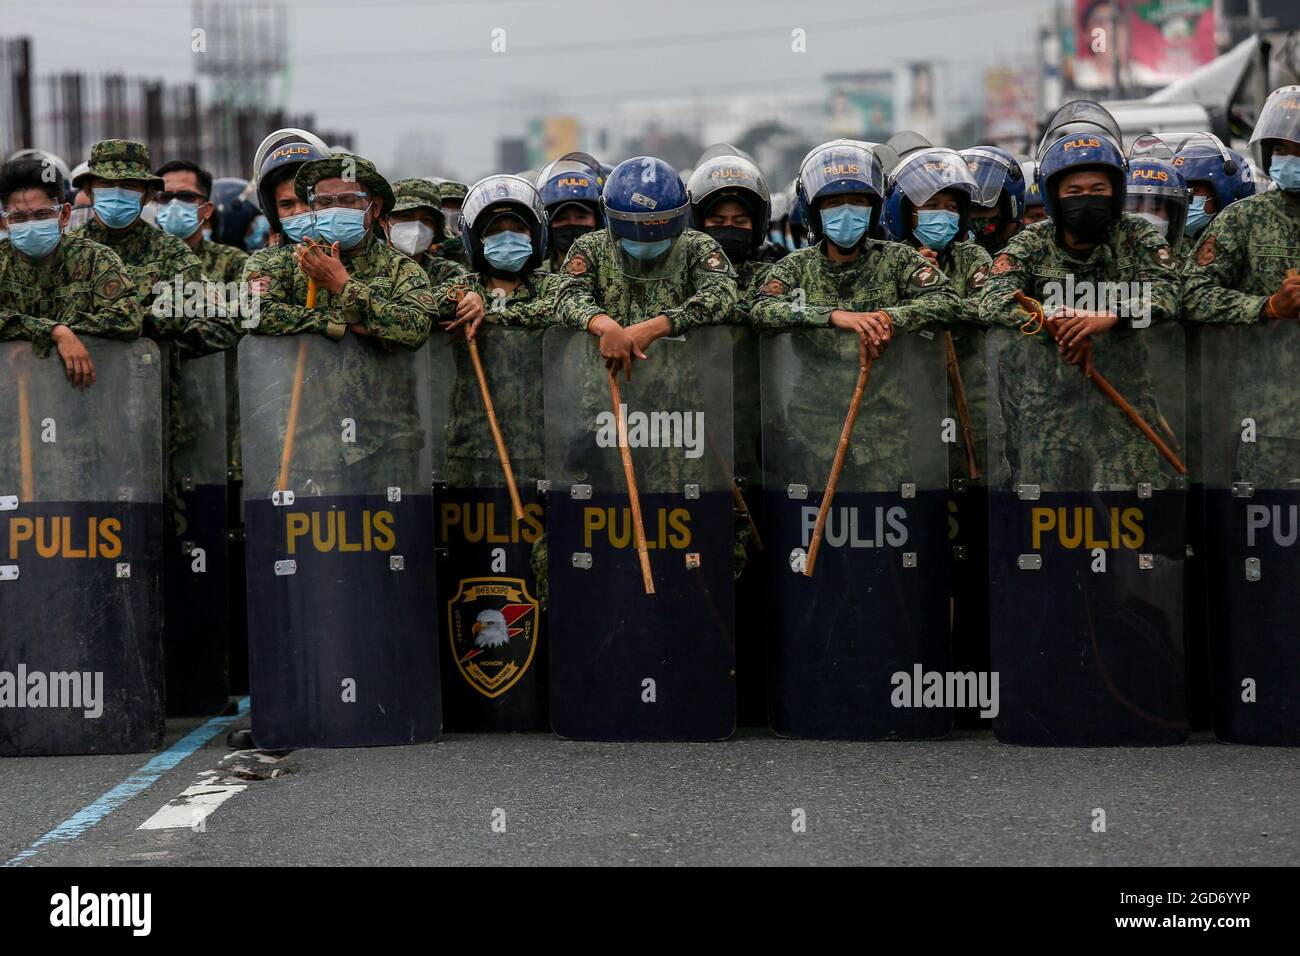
386,292
1241,259
694,285
82,285
803,289
530,305
449,248
422,194
221,263
1065,434
151,257
967,265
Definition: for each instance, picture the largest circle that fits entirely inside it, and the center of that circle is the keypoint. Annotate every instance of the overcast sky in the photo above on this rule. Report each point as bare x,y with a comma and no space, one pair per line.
387,69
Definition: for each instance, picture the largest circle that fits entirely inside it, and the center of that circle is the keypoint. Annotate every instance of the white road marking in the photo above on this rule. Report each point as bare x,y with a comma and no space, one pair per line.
192,807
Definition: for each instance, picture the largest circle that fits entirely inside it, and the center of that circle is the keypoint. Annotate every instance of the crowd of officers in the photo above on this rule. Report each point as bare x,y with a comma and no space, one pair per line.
870,239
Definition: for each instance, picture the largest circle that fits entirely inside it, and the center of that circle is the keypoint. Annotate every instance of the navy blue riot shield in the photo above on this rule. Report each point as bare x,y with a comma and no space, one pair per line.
492,573
1087,535
1252,516
339,542
752,621
627,664
857,642
968,527
195,569
81,528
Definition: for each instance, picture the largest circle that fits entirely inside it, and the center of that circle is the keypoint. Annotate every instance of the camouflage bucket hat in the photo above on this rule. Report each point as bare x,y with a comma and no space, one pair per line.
346,166
416,194
119,159
451,190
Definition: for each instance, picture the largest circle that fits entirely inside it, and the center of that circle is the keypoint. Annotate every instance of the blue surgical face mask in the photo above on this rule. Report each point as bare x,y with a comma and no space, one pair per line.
776,237
1285,171
645,250
35,239
347,227
935,228
179,219
299,227
1197,217
507,250
845,225
116,207
257,238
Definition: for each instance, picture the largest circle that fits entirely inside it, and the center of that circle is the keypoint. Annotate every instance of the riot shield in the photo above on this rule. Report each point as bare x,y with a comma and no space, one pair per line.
81,529
339,540
492,573
752,632
627,664
1087,539
195,569
1251,443
965,434
854,642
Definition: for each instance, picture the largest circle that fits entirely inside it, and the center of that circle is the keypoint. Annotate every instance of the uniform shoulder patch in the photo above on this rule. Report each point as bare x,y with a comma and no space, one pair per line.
773,287
1164,256
1207,251
715,261
978,277
577,264
925,276
1001,264
110,286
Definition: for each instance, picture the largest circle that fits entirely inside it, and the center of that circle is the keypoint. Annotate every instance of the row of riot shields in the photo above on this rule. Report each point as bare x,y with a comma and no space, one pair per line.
660,563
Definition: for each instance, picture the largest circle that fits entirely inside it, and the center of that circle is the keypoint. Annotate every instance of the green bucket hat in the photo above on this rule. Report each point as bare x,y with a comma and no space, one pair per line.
362,170
119,159
416,194
452,190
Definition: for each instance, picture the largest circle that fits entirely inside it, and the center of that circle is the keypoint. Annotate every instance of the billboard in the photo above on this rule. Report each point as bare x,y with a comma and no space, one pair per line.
1155,41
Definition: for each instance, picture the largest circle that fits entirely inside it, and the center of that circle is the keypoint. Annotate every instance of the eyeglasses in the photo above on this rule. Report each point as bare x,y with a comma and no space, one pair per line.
36,215
184,195
357,200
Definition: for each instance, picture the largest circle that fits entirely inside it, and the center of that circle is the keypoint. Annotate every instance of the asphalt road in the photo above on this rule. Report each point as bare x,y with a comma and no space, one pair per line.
534,799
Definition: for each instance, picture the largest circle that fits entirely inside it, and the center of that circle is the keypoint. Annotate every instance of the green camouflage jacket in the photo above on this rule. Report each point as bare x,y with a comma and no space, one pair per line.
221,263
694,284
81,284
531,305
805,287
1241,259
386,292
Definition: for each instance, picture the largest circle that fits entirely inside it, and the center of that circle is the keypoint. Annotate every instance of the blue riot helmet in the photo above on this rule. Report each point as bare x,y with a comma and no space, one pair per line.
646,206
1080,116
1029,176
1202,158
1157,193
1077,152
796,216
916,179
999,181
278,159
723,173
496,196
837,168
572,179
236,207
1279,118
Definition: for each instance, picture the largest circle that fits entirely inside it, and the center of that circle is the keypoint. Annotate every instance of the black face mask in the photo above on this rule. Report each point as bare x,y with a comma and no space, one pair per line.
1088,218
565,236
735,241
987,233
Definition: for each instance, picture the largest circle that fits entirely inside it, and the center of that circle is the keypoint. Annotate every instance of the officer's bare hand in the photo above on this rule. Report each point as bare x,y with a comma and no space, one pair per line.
1285,302
76,360
259,284
617,346
469,315
873,329
357,328
322,263
643,333
1075,326
930,254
